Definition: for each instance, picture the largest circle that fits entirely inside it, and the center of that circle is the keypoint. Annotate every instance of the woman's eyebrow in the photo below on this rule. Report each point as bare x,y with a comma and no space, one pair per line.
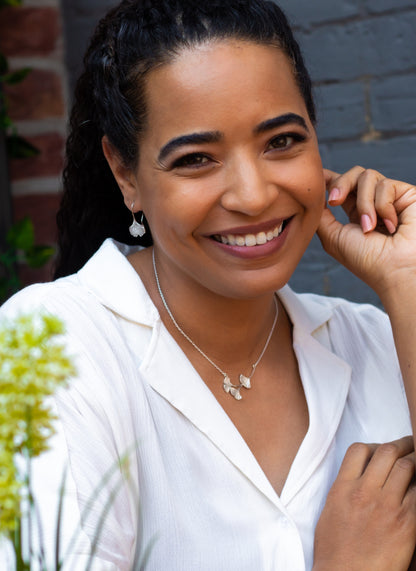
280,121
191,139
215,136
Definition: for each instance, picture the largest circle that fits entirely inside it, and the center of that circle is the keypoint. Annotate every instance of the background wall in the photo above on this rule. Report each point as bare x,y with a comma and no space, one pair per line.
31,36
362,58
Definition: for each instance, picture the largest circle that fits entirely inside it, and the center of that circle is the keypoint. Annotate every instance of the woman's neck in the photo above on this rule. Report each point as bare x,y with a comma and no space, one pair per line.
227,330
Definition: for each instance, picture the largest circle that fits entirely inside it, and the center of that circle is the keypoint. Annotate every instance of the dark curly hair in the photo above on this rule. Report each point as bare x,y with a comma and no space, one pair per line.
130,41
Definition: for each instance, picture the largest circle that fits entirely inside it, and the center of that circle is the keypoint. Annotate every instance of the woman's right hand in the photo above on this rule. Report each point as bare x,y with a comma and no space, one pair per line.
369,519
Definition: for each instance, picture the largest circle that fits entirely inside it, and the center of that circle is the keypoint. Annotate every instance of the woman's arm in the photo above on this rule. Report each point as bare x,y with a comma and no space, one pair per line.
369,520
379,246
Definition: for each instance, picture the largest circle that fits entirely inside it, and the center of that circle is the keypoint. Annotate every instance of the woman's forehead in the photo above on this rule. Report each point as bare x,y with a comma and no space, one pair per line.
210,60
218,78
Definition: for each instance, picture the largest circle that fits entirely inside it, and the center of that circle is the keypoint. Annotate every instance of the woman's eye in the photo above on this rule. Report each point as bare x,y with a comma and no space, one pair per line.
192,160
285,141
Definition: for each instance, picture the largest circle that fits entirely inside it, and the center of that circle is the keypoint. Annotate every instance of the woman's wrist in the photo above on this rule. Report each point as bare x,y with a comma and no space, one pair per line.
397,292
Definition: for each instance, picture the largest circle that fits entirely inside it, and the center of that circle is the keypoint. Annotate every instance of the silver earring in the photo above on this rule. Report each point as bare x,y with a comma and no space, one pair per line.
137,229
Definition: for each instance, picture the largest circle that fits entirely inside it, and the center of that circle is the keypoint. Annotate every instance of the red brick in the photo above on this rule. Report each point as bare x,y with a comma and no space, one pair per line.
48,163
41,209
39,96
29,31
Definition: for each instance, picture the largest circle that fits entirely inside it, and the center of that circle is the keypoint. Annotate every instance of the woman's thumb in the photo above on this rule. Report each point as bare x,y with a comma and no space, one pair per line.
329,231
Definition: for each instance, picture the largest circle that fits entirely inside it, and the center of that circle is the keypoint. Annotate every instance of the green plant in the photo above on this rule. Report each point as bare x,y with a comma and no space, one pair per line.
17,146
21,250
32,365
4,3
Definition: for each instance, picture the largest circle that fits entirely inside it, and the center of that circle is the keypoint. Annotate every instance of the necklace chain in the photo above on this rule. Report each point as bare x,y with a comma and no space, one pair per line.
244,382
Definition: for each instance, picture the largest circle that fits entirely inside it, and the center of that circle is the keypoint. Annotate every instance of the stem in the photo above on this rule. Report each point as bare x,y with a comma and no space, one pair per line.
21,565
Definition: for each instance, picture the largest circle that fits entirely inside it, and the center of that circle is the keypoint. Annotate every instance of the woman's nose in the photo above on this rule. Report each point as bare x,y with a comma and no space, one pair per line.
248,188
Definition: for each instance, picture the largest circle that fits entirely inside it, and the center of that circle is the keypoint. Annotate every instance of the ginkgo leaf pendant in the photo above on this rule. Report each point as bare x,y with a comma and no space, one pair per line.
245,382
234,390
236,393
227,385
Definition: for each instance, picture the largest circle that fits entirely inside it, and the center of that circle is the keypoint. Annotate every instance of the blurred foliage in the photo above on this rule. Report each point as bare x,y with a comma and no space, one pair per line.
20,240
21,249
33,364
4,3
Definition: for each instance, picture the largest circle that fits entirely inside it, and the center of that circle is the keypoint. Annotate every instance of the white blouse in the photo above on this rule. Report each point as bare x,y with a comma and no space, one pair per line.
190,495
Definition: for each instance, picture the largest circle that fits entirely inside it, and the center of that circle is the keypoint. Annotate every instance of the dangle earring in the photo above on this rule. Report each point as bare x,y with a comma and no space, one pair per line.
137,229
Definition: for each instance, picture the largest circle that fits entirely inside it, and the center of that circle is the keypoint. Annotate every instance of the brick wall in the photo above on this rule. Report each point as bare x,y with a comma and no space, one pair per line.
80,18
362,57
31,35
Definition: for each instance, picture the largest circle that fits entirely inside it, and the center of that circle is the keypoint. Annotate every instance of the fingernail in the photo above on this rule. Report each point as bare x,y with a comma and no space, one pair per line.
389,225
366,223
334,195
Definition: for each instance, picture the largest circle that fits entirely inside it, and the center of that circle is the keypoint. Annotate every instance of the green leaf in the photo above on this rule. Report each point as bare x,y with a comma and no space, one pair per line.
16,76
20,148
4,3
39,255
4,66
21,235
8,258
5,121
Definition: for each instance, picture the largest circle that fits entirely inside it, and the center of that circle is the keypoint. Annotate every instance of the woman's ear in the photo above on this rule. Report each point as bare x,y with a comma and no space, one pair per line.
124,175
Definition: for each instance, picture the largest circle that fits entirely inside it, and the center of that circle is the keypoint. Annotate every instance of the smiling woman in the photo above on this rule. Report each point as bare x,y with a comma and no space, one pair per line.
235,171
201,118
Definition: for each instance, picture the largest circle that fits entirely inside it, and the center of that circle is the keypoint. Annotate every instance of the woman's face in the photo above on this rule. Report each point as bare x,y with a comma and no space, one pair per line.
230,177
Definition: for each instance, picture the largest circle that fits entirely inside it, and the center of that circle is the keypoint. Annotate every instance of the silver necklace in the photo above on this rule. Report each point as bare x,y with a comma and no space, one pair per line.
244,381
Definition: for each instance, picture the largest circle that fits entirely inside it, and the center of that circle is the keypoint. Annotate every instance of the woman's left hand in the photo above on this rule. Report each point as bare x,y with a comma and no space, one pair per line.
379,242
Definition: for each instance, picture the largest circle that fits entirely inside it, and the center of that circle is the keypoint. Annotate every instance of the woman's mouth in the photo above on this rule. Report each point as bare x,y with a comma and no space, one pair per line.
250,240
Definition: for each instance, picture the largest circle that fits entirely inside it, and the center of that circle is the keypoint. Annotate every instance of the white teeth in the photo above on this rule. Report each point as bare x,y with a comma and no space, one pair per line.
261,238
250,239
277,231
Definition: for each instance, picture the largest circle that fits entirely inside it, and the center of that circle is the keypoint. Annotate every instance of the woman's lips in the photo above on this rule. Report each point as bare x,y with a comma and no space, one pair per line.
252,245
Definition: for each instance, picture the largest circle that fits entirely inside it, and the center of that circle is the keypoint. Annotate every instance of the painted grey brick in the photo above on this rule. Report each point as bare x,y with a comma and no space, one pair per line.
341,110
93,9
393,103
394,157
370,43
375,46
80,18
376,6
319,273
305,13
325,153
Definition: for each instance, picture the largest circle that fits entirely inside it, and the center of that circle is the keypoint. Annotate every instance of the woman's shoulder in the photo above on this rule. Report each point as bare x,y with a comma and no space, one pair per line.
317,310
61,297
350,329
359,333
101,284
41,296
